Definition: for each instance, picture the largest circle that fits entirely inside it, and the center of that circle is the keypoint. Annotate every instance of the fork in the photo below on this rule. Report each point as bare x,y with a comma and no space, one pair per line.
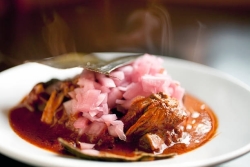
87,61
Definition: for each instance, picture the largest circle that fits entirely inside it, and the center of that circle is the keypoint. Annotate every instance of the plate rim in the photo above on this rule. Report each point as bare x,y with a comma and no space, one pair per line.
216,72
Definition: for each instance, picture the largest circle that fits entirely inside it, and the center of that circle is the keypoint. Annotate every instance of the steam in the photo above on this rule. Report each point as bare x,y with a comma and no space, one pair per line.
166,40
57,35
145,30
197,48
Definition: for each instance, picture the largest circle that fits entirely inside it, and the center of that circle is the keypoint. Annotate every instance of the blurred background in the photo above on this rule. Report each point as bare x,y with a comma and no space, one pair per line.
210,32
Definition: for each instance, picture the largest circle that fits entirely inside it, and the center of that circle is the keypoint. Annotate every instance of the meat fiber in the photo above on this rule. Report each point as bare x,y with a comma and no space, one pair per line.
153,114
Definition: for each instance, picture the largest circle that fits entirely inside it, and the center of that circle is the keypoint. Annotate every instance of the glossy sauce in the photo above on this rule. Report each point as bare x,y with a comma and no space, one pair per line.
198,129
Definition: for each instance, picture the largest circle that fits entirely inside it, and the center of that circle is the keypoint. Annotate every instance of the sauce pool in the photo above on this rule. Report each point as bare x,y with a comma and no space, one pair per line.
199,128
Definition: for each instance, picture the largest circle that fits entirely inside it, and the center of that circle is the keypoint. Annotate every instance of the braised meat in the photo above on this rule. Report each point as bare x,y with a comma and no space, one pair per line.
152,114
48,97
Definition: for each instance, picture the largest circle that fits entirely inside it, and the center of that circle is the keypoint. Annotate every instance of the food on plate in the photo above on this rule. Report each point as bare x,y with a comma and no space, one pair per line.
136,113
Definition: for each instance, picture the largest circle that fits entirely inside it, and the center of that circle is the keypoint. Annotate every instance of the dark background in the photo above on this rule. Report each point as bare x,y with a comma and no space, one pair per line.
213,33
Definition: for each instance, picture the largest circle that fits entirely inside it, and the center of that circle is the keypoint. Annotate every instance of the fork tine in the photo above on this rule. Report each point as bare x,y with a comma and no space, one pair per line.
87,61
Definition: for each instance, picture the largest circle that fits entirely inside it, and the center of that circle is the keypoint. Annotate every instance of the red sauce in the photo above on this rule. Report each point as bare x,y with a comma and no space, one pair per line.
29,127
201,125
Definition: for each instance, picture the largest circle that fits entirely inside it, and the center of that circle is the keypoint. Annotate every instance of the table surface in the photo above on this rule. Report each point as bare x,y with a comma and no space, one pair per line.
214,36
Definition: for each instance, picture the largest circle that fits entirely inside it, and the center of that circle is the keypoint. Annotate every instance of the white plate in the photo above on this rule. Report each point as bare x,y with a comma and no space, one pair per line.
227,96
